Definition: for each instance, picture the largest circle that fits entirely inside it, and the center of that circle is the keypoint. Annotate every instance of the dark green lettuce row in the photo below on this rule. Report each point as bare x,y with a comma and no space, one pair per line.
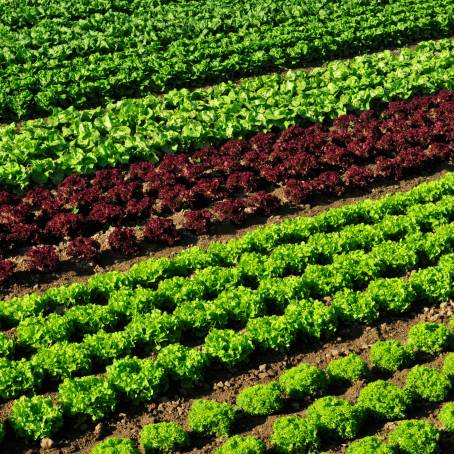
152,65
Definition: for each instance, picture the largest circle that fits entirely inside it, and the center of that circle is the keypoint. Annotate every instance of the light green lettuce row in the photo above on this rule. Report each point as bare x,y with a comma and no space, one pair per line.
74,141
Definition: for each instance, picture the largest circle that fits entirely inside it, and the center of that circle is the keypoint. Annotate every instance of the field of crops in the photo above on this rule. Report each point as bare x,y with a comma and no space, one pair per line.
227,226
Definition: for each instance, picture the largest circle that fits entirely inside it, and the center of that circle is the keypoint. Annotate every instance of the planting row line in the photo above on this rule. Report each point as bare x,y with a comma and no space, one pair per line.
247,291
72,141
132,379
28,12
49,43
378,400
409,436
209,263
32,89
151,329
292,258
355,152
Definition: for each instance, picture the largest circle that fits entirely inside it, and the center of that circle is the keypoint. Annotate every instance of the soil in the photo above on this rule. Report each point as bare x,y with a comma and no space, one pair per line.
69,272
79,436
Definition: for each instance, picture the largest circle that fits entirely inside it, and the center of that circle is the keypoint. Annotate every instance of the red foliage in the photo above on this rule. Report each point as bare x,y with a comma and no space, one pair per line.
42,259
161,231
358,177
263,203
198,221
140,170
107,179
328,183
242,181
70,185
64,225
23,234
305,161
123,192
6,270
297,191
138,209
104,213
172,198
83,249
230,211
123,240
5,197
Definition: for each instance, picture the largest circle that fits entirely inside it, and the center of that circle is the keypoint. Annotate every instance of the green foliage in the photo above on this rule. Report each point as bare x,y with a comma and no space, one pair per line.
136,379
347,369
115,446
330,414
303,380
6,345
293,434
211,418
432,285
272,332
35,417
355,306
154,329
392,295
42,331
2,433
146,128
134,301
199,315
414,436
446,417
163,437
369,445
104,347
89,395
18,377
242,445
308,317
448,365
428,384
384,400
228,346
63,360
390,355
261,399
431,338
185,365
311,318
90,318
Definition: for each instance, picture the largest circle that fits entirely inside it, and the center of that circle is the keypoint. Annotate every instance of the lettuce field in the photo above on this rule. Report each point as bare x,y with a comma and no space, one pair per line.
227,227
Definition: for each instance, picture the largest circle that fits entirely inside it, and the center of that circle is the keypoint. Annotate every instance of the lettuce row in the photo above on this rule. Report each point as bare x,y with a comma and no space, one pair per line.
287,259
72,141
419,203
154,328
98,78
131,379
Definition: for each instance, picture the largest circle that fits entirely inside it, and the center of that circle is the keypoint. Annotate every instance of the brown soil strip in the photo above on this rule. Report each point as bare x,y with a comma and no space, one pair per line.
80,436
26,282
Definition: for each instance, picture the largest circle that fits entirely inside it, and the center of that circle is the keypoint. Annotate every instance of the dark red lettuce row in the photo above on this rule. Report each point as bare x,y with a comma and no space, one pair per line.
225,184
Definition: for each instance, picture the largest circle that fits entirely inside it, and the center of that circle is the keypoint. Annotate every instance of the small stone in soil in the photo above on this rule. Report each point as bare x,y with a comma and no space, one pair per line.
262,367
46,443
98,429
